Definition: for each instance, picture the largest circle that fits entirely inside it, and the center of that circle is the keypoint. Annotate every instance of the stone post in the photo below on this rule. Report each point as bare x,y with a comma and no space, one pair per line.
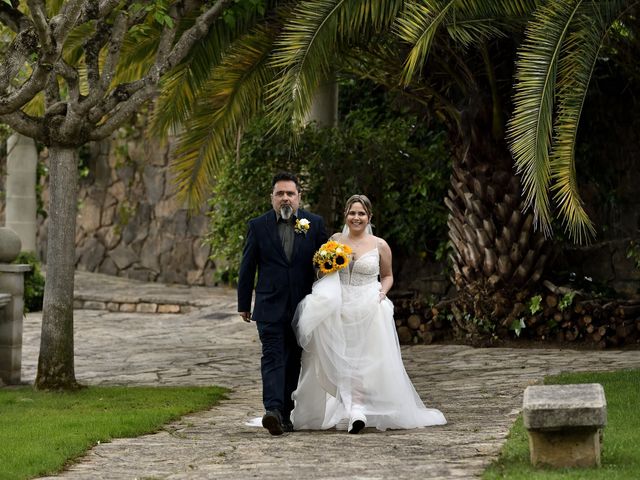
564,424
324,112
11,307
324,109
21,208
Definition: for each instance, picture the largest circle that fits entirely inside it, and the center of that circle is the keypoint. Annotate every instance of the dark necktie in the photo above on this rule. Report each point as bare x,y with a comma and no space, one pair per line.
285,230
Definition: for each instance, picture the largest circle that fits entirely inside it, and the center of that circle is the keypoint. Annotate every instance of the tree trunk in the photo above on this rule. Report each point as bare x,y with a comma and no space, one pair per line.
497,254
56,362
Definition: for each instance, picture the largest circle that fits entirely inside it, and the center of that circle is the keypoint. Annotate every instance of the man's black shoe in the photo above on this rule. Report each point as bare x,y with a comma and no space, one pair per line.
272,421
287,426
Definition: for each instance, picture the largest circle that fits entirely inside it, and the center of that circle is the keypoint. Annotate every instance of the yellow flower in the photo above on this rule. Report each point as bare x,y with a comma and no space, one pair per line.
332,256
340,260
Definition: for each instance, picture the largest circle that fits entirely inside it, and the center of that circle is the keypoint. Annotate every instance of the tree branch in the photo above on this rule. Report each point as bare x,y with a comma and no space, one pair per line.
190,37
68,17
166,40
70,76
51,91
93,10
39,17
92,48
24,124
99,88
25,43
123,112
120,94
29,89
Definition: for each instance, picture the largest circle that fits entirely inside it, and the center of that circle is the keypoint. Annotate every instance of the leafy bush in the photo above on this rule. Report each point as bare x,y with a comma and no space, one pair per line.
404,171
33,282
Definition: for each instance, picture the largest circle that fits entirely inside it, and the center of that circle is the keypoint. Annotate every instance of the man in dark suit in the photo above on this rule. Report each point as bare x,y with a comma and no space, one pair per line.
280,245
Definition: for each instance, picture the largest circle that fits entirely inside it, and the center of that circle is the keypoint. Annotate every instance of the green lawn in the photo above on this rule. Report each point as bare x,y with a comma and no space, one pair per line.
40,432
621,451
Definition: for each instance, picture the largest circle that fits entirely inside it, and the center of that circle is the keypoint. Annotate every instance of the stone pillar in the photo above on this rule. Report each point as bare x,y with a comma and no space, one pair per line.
324,109
21,206
324,112
11,307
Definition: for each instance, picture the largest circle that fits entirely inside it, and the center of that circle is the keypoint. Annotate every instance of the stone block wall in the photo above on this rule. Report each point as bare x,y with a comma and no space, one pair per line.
130,222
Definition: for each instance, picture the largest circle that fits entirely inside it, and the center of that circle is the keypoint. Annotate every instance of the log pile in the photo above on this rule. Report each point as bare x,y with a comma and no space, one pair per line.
594,322
417,323
598,322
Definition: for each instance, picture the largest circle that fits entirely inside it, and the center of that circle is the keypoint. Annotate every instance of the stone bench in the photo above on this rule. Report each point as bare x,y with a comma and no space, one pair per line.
564,423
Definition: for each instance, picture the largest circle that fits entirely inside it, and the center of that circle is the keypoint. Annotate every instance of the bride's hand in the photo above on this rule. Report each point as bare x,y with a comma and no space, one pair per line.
381,296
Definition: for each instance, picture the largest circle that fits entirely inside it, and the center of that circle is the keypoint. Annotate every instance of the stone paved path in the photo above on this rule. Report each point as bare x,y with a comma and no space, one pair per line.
479,390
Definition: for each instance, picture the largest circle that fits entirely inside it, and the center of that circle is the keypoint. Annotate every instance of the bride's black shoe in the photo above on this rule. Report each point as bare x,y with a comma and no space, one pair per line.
272,421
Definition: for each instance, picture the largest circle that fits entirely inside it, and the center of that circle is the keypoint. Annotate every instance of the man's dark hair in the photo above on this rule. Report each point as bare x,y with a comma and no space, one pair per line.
286,176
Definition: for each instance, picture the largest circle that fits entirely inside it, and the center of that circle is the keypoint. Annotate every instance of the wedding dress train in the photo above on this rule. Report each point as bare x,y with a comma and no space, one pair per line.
351,364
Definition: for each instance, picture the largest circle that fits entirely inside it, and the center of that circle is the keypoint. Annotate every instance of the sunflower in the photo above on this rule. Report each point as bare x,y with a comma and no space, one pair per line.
340,260
326,266
332,256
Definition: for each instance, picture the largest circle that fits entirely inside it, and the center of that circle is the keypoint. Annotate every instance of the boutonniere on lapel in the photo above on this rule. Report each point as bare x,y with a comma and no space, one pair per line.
302,225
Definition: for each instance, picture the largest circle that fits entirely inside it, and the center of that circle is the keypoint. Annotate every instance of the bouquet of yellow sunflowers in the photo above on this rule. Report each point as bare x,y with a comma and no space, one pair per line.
332,256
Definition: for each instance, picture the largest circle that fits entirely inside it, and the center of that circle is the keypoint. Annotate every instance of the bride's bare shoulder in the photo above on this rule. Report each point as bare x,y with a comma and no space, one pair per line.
336,236
382,244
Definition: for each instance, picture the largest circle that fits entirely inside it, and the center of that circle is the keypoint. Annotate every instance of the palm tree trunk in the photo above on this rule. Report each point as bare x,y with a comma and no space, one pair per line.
497,254
56,362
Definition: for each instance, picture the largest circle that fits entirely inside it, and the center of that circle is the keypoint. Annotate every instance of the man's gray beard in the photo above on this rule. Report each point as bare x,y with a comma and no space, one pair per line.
286,211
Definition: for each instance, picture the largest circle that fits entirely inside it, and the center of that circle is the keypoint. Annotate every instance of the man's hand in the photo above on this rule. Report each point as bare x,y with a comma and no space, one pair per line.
246,316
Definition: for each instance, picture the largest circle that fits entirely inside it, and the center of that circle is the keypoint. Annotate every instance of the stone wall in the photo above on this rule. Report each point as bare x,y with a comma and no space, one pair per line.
607,263
130,222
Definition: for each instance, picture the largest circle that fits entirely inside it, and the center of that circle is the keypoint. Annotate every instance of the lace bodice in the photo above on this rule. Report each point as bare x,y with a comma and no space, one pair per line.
363,270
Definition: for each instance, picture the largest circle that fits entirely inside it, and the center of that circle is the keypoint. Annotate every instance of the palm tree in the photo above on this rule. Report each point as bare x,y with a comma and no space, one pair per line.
453,54
454,58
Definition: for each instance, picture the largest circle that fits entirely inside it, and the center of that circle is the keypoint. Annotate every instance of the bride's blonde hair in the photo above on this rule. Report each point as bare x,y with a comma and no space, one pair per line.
362,199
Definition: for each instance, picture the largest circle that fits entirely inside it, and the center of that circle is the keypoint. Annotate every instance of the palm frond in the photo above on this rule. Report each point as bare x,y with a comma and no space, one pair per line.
530,128
417,25
180,87
223,108
579,57
306,49
466,22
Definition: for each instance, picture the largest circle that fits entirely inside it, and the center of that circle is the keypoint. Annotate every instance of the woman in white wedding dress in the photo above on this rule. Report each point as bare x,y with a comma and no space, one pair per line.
352,372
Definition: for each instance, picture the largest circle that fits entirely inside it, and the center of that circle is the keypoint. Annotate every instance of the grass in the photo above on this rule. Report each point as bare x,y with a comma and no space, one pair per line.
41,432
620,452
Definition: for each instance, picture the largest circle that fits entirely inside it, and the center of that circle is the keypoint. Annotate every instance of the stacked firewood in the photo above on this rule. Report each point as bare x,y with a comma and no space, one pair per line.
420,323
595,322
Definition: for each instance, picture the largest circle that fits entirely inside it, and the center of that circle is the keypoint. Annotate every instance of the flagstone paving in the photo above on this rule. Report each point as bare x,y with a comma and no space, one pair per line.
479,391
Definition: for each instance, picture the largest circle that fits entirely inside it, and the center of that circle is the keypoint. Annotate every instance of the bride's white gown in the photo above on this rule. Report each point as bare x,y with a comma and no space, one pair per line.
351,363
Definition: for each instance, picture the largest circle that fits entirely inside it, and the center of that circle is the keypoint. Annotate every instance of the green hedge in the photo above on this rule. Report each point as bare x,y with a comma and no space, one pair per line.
402,169
33,282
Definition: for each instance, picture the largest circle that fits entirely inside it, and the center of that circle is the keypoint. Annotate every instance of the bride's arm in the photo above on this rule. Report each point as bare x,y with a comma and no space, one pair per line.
386,272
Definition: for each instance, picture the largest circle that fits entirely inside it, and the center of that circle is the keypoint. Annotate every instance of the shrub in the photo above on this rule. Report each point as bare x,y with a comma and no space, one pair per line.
403,170
33,282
